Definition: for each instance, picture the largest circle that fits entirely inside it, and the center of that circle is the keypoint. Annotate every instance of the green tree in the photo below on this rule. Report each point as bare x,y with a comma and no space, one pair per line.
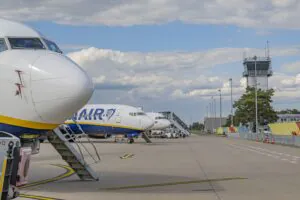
289,111
197,126
245,107
228,121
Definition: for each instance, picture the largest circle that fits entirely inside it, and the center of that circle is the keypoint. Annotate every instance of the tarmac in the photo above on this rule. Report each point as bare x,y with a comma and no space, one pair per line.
197,167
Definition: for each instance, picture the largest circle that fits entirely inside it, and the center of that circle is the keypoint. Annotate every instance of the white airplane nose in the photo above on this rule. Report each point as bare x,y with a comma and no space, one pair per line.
167,123
59,87
148,123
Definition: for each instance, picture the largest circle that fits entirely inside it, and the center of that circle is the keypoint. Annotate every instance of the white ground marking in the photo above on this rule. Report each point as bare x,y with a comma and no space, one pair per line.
266,152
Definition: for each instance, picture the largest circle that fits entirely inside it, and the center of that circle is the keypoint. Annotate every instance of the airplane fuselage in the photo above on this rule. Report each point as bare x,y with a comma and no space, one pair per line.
99,119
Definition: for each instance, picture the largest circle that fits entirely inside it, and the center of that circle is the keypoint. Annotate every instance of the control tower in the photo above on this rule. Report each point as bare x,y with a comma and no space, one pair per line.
263,71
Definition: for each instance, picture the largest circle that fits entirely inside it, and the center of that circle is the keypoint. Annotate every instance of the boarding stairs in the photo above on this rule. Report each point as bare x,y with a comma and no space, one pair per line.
71,147
146,137
177,122
178,126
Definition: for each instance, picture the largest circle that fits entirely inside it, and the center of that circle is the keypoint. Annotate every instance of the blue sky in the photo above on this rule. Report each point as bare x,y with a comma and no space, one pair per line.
166,37
171,54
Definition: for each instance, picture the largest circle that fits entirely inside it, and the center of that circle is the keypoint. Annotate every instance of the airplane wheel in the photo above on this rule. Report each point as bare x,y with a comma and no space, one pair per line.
131,140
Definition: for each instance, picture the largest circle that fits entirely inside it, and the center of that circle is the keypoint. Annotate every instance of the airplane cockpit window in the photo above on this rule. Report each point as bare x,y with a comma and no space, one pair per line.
52,46
132,114
26,43
137,113
160,118
3,46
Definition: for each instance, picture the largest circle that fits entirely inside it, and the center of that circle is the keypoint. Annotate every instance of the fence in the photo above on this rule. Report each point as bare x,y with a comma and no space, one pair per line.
290,140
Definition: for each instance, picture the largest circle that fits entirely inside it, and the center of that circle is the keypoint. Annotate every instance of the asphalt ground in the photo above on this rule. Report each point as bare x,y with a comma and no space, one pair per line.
198,167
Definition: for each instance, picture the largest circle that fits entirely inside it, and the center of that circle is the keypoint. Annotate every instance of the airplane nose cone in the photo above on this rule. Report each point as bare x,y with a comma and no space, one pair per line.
167,123
148,123
59,87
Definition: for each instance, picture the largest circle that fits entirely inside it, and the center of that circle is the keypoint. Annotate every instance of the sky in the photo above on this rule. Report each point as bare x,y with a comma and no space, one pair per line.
171,54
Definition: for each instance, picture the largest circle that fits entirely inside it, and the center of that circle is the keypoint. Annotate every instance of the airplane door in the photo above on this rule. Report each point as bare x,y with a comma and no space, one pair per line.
118,117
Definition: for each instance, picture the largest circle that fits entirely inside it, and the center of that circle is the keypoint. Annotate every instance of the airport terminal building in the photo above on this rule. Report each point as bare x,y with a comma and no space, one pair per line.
288,118
212,123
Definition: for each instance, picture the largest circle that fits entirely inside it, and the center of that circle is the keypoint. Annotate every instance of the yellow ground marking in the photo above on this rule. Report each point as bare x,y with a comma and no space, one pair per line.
69,172
29,196
174,183
127,156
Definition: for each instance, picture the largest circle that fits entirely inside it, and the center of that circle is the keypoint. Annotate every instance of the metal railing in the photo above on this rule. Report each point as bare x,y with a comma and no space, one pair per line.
77,139
268,137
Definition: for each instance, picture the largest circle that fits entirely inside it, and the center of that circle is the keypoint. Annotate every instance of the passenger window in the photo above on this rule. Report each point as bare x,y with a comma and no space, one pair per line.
3,46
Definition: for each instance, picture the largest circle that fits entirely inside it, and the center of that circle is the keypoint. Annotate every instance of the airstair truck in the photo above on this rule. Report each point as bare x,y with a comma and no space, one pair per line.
9,147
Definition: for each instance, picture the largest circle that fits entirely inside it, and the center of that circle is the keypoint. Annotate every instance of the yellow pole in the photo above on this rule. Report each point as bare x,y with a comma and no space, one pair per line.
2,177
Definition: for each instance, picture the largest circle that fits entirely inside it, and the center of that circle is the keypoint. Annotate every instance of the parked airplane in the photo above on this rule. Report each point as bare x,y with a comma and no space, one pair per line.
40,87
160,121
101,120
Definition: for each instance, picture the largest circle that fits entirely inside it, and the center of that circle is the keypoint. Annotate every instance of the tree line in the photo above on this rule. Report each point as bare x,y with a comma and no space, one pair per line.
245,109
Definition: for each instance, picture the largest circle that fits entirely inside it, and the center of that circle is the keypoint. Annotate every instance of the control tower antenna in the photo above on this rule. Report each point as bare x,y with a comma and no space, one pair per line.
244,55
268,49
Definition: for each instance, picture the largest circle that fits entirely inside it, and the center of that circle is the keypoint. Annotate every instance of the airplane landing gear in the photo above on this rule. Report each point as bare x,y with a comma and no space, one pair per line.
131,140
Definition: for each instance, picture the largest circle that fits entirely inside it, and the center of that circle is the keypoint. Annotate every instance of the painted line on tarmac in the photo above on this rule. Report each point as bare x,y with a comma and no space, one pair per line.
174,183
69,172
126,156
270,151
265,153
29,196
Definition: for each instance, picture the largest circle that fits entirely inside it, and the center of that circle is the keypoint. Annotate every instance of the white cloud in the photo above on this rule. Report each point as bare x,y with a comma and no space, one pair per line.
292,67
72,47
172,75
147,78
243,13
173,60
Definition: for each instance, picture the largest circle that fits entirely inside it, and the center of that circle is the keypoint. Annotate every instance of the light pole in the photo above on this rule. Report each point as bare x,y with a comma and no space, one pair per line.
220,108
215,107
212,119
210,108
230,80
256,110
206,121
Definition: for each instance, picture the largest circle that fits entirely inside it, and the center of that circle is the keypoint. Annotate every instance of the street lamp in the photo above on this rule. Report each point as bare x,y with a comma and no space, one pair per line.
212,119
210,114
220,107
230,80
256,110
215,108
206,121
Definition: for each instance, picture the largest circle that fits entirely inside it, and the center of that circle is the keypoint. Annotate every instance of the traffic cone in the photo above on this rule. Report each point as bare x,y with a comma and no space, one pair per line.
273,140
267,140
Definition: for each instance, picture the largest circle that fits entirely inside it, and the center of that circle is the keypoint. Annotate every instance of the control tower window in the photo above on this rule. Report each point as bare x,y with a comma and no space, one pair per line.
52,46
26,43
3,46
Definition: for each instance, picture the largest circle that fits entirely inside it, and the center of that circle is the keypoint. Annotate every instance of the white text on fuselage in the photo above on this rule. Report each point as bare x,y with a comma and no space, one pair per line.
94,114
